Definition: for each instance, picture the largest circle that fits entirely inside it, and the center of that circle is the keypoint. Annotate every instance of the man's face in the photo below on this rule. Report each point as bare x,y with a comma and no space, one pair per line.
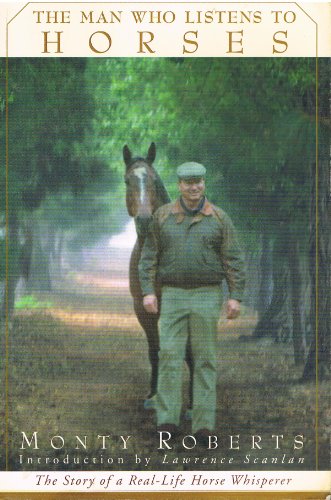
193,189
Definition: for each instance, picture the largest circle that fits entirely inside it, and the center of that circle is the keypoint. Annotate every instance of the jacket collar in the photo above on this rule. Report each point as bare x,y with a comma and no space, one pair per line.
206,209
179,211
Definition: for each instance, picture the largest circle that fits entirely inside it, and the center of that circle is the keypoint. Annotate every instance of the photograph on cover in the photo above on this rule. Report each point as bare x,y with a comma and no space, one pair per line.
93,150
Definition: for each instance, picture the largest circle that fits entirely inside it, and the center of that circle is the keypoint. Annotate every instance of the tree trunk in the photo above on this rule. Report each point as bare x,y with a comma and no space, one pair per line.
39,277
320,275
57,256
266,285
276,321
8,297
297,302
252,280
320,236
25,260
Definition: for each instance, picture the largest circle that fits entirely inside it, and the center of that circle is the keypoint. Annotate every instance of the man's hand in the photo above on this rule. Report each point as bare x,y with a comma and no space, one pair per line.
232,309
150,304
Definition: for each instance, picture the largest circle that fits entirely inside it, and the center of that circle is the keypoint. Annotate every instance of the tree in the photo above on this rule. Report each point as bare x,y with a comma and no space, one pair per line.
320,239
49,115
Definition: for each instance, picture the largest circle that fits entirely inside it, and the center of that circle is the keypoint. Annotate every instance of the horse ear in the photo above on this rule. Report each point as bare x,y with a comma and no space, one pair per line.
151,153
127,156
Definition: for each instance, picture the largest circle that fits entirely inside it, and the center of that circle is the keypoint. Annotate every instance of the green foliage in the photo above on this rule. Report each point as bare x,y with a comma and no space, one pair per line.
250,121
14,258
50,113
31,302
53,153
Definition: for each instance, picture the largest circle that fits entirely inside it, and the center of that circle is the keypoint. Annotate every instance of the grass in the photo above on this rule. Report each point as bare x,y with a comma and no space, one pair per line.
32,302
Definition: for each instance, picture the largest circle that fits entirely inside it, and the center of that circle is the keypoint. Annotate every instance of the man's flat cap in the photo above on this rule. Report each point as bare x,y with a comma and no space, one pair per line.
191,169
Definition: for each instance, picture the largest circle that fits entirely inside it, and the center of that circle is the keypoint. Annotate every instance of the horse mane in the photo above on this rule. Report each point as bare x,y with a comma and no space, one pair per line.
161,190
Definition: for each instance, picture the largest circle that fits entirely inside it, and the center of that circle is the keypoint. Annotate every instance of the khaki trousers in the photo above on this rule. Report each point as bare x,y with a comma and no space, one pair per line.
193,314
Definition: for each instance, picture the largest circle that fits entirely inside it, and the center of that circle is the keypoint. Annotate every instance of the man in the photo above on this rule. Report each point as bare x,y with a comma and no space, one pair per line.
190,249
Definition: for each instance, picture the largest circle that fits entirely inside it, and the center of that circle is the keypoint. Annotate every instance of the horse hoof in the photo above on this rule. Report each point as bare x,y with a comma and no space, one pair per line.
150,404
188,415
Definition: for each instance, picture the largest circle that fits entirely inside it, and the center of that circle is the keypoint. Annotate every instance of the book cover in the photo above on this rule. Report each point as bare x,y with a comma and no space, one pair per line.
88,89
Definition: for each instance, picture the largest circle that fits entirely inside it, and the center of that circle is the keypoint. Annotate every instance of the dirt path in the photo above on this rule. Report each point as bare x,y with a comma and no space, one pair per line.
80,368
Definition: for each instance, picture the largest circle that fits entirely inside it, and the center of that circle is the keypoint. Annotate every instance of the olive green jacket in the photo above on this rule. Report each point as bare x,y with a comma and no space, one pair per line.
190,251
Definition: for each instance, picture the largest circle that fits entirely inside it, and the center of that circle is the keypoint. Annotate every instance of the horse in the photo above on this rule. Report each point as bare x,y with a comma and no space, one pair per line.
145,193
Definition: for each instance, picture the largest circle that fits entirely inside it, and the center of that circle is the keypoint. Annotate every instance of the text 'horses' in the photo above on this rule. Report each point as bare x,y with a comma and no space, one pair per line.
145,193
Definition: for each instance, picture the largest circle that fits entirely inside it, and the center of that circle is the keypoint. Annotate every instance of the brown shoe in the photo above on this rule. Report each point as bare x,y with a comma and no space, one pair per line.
202,436
173,429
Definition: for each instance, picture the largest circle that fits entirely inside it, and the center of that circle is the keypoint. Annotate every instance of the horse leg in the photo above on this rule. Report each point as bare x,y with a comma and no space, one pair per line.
190,364
153,351
149,323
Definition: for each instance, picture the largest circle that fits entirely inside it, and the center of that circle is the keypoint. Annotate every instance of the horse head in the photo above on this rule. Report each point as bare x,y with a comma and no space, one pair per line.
145,191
